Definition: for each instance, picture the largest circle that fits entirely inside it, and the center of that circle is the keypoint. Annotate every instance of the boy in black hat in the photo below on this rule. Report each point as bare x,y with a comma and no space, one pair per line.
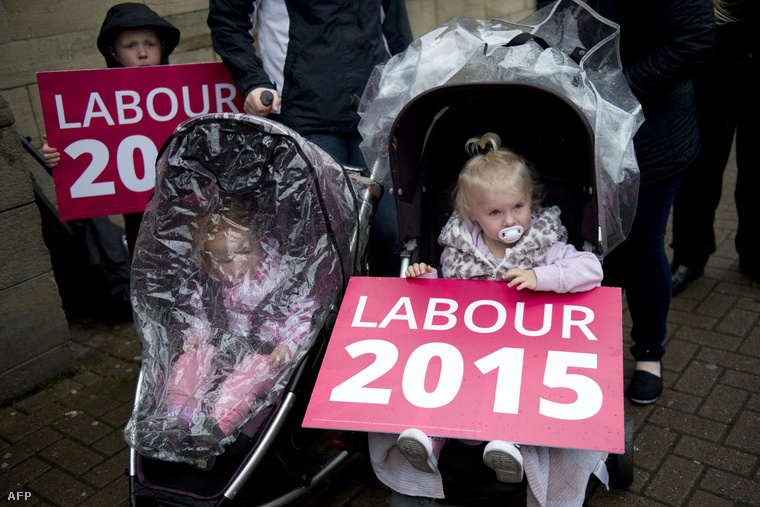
132,35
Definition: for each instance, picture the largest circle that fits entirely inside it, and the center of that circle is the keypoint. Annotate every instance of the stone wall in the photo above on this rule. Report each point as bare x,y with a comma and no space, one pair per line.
34,335
38,35
35,36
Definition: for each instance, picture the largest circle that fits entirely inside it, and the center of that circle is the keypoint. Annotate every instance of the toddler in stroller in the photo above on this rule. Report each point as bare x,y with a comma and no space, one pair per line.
497,232
242,259
239,270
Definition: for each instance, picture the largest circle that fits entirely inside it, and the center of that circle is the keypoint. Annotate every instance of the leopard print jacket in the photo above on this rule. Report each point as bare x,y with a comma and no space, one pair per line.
463,260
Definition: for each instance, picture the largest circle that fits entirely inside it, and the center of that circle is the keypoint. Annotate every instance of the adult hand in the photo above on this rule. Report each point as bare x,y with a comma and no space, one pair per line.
254,106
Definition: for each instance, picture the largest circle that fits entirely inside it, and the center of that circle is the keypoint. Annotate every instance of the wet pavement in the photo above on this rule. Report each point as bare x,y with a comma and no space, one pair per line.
697,445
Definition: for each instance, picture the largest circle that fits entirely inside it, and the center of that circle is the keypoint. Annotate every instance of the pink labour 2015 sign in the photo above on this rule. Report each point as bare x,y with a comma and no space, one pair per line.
475,360
109,124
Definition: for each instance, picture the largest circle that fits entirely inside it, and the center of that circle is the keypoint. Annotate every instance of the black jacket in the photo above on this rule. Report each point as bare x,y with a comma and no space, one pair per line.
134,15
317,55
662,44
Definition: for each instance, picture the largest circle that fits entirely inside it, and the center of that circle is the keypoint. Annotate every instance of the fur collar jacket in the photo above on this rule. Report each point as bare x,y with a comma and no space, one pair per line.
462,258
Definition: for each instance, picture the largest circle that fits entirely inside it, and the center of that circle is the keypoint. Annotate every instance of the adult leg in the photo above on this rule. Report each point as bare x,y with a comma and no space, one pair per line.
640,266
718,89
354,155
700,189
747,160
333,143
747,183
384,259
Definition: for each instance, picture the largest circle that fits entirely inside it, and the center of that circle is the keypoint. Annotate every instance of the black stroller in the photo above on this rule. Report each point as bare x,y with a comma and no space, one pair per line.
312,218
547,87
428,152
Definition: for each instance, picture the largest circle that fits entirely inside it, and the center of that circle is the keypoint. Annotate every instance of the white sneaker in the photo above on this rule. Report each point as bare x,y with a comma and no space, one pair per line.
418,450
504,459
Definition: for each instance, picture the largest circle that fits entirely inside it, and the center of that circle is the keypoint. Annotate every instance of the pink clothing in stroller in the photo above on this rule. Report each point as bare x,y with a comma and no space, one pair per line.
250,380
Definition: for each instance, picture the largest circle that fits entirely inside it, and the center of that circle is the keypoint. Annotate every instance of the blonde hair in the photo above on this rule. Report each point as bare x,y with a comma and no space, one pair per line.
492,170
722,12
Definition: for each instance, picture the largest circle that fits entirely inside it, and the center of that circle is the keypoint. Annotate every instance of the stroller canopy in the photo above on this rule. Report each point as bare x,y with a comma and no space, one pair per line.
302,206
575,53
427,153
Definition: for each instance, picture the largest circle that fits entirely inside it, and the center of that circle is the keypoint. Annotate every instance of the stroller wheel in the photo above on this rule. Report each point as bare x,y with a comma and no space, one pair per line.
620,466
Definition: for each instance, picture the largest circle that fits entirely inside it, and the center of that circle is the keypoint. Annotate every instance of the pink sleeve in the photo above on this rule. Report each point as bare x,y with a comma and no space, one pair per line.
568,270
434,274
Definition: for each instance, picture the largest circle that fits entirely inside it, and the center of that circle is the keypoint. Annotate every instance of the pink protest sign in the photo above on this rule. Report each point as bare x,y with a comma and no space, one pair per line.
109,124
475,360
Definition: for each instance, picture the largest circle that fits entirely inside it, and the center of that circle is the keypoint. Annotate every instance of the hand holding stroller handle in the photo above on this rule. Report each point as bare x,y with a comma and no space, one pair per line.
267,98
511,234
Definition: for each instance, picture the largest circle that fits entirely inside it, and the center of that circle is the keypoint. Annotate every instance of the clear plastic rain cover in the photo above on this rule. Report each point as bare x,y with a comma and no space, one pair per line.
464,50
243,248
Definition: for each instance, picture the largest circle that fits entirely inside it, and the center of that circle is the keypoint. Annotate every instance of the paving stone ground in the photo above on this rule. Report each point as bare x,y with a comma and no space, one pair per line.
698,445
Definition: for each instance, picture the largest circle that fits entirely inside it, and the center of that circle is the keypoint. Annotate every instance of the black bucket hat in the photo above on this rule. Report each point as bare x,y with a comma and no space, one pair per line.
134,15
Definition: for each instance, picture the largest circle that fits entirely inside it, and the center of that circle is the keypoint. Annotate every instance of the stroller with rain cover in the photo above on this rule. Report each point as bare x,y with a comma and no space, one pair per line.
242,259
552,88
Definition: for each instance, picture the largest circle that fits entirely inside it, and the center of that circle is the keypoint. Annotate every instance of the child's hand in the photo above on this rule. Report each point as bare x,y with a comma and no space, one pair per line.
50,155
191,342
523,278
418,269
280,356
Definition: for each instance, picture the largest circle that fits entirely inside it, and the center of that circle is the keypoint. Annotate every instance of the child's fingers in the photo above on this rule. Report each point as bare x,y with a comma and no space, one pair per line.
417,269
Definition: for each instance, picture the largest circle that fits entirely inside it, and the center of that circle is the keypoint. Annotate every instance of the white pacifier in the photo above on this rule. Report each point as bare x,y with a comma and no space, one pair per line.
511,234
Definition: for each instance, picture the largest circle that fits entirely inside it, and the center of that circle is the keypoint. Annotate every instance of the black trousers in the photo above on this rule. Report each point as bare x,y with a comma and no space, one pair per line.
728,104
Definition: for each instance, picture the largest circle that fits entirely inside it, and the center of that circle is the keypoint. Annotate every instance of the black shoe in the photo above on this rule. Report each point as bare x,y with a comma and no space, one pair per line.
644,388
682,275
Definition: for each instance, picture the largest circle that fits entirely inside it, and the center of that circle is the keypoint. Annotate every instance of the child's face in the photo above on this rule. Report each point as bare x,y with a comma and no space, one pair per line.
496,211
137,47
234,259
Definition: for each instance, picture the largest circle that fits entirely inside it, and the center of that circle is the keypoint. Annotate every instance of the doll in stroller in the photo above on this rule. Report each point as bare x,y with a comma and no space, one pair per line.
242,259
